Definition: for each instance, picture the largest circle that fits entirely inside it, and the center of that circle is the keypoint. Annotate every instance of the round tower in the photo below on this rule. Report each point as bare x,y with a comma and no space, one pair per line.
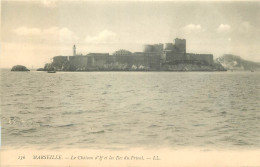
148,48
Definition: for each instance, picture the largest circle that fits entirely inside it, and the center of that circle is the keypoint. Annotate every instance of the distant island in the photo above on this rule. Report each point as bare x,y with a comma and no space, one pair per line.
156,57
236,63
19,68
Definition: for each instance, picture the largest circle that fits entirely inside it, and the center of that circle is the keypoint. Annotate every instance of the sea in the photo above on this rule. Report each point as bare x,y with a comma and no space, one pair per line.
120,110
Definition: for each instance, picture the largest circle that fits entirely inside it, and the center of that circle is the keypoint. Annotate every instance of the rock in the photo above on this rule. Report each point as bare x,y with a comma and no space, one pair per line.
40,69
194,67
19,68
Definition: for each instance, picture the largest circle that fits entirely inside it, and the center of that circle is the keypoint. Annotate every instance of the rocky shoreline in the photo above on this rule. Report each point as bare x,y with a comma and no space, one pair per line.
124,67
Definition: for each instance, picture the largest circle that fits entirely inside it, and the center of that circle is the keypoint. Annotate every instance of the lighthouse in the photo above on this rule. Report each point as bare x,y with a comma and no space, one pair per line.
74,50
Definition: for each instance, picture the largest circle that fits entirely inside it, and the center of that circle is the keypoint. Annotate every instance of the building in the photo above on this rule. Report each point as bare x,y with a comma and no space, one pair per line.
153,57
176,54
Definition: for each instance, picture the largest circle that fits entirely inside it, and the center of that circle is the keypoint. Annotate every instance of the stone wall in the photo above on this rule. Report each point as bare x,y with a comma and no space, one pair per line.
171,57
204,58
136,61
59,61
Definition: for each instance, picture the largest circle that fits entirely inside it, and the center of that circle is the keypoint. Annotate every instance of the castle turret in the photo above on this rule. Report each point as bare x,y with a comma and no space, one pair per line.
74,50
180,45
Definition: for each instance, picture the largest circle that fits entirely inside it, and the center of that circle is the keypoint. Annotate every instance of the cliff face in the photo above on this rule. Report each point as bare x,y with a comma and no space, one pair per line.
233,62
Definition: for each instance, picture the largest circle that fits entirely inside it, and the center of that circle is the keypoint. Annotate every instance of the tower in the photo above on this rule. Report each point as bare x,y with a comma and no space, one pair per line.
180,45
74,50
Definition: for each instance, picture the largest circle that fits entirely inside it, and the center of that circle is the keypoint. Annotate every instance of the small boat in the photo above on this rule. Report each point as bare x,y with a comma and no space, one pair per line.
51,71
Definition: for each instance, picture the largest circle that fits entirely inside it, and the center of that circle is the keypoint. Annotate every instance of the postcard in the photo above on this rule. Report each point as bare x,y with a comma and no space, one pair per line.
130,83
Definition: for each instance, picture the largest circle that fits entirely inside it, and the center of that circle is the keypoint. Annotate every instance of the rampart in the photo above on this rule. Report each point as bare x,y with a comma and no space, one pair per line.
135,61
153,57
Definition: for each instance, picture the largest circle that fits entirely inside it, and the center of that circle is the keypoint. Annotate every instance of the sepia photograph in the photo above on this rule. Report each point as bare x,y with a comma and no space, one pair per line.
130,83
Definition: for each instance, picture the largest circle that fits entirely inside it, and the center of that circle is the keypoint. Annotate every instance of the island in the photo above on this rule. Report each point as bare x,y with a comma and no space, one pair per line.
154,57
236,63
19,68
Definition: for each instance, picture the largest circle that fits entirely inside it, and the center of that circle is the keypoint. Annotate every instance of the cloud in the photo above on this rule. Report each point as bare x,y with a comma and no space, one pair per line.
49,3
63,34
27,31
192,28
105,36
67,35
224,28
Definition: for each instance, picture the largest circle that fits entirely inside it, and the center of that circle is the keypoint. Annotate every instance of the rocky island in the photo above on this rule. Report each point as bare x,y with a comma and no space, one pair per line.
155,57
236,63
19,68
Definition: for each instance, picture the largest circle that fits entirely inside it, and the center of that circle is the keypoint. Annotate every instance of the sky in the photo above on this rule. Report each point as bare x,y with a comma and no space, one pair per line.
32,32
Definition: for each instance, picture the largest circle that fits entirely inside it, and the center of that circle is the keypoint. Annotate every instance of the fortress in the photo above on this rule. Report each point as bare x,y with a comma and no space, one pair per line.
153,58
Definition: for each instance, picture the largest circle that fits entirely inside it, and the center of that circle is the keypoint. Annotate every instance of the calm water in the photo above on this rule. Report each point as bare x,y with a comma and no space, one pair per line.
130,109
